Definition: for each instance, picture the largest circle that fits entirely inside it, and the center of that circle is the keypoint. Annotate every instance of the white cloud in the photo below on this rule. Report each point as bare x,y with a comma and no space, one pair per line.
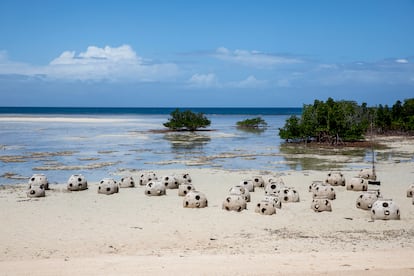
93,54
118,63
324,66
254,58
211,81
401,60
203,80
96,64
249,82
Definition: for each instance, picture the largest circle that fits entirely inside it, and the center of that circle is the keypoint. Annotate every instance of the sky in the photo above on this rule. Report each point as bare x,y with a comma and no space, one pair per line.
216,53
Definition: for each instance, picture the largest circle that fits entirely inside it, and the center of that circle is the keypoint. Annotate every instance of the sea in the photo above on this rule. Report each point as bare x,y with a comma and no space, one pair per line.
109,142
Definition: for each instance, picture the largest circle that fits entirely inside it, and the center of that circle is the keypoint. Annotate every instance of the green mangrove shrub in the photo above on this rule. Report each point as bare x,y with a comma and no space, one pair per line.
186,121
337,121
253,123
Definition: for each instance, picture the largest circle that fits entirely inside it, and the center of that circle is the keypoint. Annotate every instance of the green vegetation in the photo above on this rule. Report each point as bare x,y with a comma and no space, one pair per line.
186,120
337,121
398,118
254,123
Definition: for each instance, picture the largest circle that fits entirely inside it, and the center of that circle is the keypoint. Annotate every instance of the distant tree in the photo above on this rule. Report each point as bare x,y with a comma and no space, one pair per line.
383,118
253,123
292,129
408,113
336,121
397,116
330,122
186,120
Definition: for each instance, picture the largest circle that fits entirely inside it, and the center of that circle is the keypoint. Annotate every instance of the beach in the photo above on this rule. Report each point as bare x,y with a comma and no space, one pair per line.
87,233
130,233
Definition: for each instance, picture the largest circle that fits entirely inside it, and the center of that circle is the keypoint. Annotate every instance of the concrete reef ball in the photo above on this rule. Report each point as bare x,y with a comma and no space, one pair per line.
385,209
127,182
367,174
265,208
273,199
276,180
108,186
315,184
335,179
183,189
234,203
274,188
183,178
155,188
258,181
410,191
195,199
366,200
146,177
239,190
248,184
357,184
36,191
289,194
324,191
39,179
77,182
321,205
170,182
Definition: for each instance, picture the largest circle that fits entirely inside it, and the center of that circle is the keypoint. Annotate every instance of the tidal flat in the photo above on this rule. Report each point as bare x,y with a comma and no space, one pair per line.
99,146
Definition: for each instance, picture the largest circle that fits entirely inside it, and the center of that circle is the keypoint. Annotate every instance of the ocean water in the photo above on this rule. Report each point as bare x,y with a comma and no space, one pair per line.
105,142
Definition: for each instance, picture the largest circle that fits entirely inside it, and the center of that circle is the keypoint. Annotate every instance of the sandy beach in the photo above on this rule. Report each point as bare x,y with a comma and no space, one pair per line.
129,233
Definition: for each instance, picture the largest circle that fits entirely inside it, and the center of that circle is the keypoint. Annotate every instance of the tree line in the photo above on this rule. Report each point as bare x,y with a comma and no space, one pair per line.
335,122
189,121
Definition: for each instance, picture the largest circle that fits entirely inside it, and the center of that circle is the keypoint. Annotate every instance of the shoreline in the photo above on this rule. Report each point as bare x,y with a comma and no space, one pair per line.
396,149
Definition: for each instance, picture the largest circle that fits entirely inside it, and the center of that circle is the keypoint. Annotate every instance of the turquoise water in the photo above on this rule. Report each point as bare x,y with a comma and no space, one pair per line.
102,142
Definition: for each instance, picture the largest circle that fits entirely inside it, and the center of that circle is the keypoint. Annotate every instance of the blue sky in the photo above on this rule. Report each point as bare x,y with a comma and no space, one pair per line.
205,53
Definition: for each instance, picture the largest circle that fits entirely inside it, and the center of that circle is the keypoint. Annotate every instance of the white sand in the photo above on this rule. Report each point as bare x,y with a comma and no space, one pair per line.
66,119
129,233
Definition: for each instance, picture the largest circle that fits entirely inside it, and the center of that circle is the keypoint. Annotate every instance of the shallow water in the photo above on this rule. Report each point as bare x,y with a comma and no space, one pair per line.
101,146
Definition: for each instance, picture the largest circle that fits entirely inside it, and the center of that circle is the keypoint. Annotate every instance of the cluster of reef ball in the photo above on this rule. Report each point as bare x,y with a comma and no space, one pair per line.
275,191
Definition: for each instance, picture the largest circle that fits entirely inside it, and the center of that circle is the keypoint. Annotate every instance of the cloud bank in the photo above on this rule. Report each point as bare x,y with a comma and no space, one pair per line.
211,81
226,69
203,81
96,64
254,58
